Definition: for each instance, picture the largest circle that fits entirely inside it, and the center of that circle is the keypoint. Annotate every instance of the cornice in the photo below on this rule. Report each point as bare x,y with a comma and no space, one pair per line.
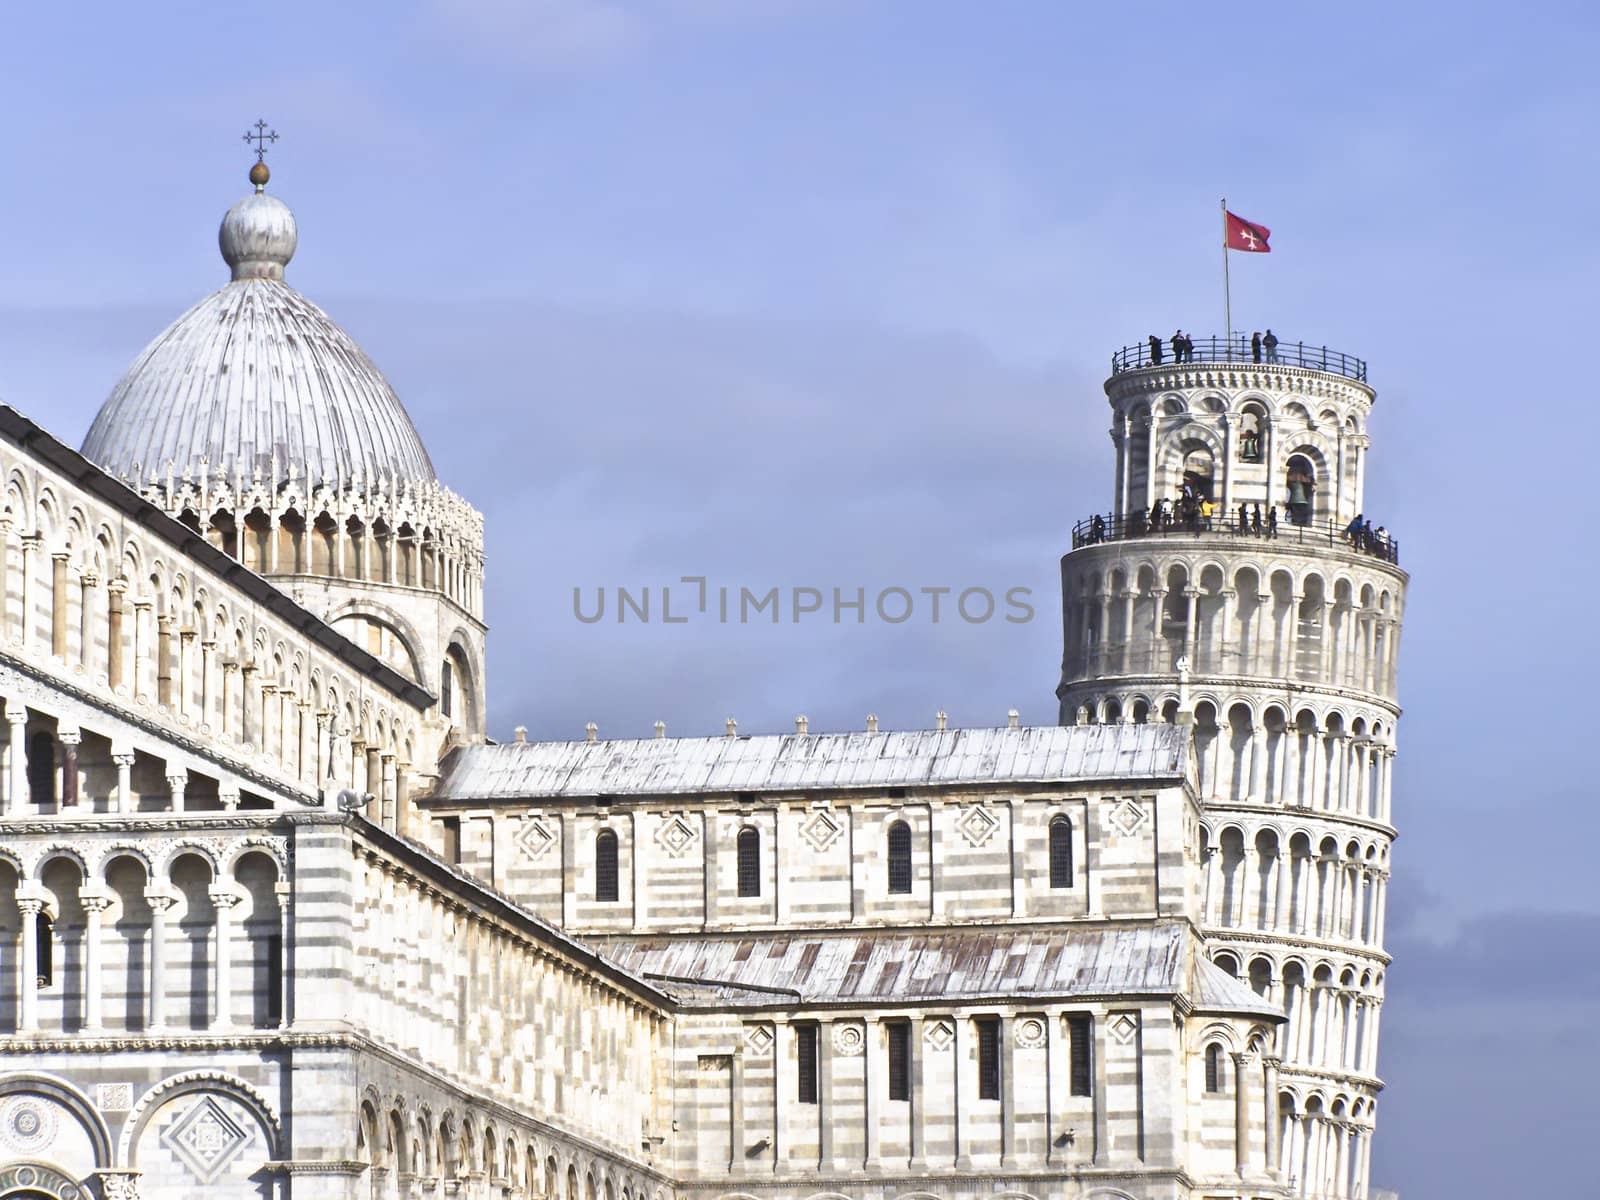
1238,376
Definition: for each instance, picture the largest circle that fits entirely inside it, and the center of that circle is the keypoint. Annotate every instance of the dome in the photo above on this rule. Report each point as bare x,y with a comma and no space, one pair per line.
257,378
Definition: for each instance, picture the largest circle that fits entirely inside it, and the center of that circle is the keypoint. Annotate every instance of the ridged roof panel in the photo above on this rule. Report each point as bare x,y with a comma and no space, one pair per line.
798,762
256,374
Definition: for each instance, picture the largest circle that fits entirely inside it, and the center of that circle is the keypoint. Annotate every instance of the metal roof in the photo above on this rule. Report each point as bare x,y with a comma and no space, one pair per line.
800,762
970,963
256,378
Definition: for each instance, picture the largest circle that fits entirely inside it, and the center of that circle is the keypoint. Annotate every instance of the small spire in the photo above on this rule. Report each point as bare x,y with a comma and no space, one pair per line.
520,733
940,721
801,724
591,732
661,729
733,727
872,722
1013,719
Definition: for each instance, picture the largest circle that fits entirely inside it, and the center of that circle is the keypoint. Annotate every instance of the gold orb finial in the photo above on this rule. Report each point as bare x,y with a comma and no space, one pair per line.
259,174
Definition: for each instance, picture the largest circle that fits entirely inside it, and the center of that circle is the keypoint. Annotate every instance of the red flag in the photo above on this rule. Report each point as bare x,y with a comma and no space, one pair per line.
1247,235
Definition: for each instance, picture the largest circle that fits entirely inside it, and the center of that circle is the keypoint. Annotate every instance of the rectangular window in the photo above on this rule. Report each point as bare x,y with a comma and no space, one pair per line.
805,1045
899,1060
274,978
450,828
988,1058
1082,1071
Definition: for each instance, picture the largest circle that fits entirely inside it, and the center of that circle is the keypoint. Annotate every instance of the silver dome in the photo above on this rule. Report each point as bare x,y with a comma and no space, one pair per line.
254,377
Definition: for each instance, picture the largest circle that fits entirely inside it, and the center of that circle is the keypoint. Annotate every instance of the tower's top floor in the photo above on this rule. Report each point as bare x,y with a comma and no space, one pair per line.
1275,430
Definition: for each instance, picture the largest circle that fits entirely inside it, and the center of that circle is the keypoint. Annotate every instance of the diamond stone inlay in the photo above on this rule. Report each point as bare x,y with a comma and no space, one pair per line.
535,837
821,830
1123,1028
676,835
1128,817
976,824
939,1035
206,1139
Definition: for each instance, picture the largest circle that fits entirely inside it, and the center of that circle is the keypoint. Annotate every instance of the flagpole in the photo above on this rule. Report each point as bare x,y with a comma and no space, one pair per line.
1227,290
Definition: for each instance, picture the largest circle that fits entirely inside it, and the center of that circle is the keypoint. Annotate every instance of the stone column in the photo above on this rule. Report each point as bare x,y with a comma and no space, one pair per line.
874,1090
58,604
70,740
387,779
160,901
249,715
1241,1113
183,701
1150,461
164,660
87,583
825,1159
958,1104
1192,595
374,774
782,1039
95,902
1270,1107
177,780
225,722
919,1097
1008,1093
28,910
116,592
285,894
17,785
223,903
30,543
208,691
124,801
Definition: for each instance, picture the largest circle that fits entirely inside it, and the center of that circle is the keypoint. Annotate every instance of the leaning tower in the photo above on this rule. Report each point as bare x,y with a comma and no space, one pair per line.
1231,589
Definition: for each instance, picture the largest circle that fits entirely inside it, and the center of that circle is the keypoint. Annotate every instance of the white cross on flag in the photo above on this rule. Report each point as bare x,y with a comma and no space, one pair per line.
1247,235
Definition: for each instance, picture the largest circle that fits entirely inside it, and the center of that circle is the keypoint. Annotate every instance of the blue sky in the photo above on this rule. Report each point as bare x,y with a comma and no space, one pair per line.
814,293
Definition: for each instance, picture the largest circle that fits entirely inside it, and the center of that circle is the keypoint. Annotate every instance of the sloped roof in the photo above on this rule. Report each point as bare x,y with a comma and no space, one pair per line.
797,762
862,967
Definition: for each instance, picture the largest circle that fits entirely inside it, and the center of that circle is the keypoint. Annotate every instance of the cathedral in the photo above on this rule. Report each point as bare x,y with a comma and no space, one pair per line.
278,918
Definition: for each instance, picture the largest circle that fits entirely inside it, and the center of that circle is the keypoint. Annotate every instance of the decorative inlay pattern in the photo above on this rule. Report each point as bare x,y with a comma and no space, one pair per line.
939,1034
1030,1033
821,830
676,835
535,837
113,1097
976,824
1128,817
40,1179
759,1038
849,1040
1123,1028
206,1139
27,1124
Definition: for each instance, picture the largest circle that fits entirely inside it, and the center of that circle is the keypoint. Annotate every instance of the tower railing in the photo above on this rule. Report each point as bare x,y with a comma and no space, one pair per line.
1239,349
1253,523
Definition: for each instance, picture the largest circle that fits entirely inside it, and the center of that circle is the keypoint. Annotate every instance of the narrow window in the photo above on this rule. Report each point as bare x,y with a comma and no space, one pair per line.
749,862
446,687
1213,1068
806,1052
274,978
44,950
1060,852
899,859
42,768
988,1058
899,1060
450,828
1082,1069
605,865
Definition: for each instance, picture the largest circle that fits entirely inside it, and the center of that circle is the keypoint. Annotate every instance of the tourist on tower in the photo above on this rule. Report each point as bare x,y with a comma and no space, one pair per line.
1255,347
1269,343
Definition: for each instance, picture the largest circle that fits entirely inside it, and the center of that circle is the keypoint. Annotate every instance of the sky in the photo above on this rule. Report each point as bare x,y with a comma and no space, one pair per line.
816,293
